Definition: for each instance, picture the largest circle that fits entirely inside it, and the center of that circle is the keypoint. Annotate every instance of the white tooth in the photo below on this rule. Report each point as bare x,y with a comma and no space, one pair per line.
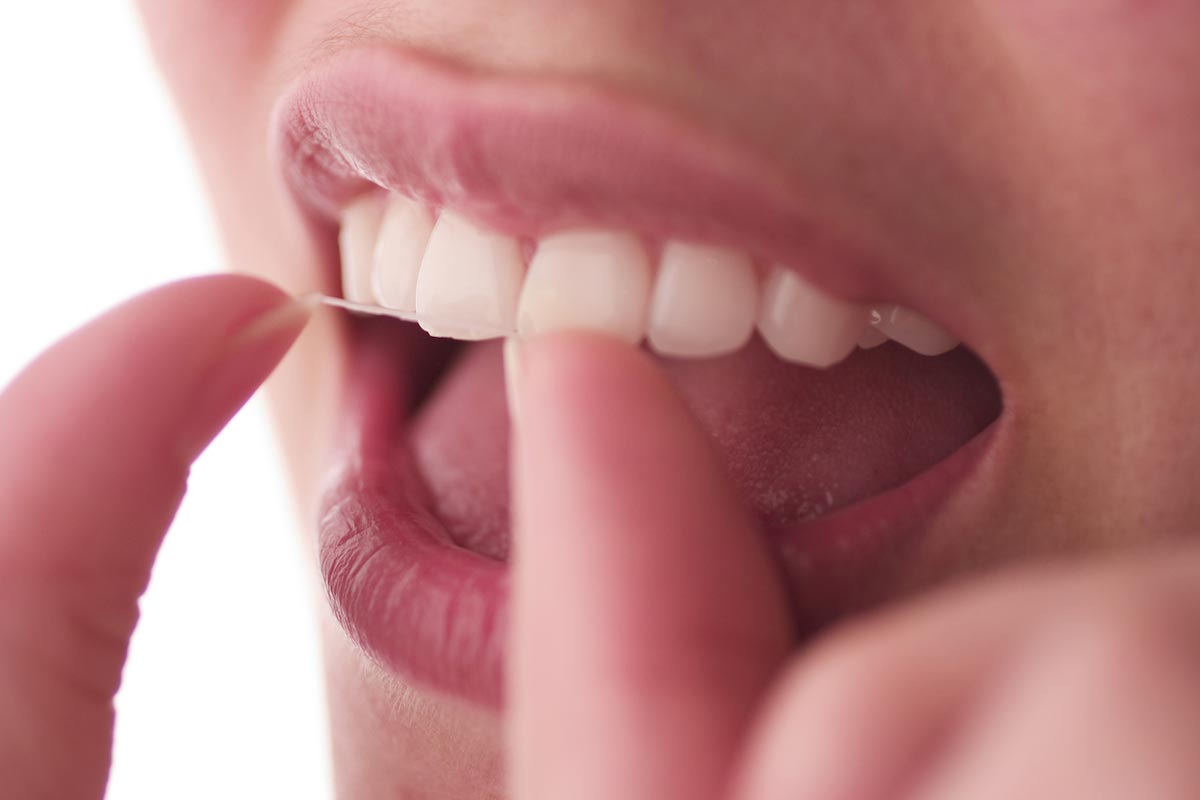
469,281
356,241
403,236
592,280
914,331
872,337
803,324
704,303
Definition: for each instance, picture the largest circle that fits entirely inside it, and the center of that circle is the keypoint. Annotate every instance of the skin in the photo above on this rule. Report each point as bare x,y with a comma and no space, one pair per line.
97,450
1052,145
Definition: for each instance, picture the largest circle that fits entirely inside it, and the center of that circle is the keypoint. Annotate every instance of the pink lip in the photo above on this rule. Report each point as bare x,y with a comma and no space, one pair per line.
528,156
434,613
420,605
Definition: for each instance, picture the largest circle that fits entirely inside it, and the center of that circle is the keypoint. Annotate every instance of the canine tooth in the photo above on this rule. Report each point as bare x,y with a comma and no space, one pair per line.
469,281
913,330
356,241
403,236
803,324
587,279
872,337
704,302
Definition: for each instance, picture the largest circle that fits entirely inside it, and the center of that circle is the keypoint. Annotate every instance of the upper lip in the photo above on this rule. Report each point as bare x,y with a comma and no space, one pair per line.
529,156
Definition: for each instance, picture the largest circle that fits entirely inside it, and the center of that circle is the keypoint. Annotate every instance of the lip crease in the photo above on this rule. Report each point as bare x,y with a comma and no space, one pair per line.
525,157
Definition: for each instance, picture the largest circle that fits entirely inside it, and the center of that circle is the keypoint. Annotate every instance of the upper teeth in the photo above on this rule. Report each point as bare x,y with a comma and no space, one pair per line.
803,324
466,282
705,301
597,280
912,330
469,280
403,238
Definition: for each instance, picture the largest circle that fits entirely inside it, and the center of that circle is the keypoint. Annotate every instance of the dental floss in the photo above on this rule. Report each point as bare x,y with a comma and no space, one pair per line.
407,316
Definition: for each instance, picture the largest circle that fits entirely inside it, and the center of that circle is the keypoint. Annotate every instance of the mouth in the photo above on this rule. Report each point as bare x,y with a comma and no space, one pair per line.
482,207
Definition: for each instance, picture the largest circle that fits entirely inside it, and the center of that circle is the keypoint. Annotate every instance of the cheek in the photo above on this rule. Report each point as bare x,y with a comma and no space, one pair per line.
1112,76
1064,19
1119,45
204,18
197,38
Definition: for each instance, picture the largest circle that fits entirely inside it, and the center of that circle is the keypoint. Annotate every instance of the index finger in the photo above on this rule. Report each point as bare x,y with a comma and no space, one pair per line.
648,614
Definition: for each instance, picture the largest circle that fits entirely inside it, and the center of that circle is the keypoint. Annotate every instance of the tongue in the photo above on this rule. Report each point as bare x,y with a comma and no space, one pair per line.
797,442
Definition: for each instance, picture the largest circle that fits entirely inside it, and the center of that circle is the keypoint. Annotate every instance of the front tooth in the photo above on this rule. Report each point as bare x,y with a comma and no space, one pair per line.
913,330
592,280
469,281
805,325
356,241
403,236
704,303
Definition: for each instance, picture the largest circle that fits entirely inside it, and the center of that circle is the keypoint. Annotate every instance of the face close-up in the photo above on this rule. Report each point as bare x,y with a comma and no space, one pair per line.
800,208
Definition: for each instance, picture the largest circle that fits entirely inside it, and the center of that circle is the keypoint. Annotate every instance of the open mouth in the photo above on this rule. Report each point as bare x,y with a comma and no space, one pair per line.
488,207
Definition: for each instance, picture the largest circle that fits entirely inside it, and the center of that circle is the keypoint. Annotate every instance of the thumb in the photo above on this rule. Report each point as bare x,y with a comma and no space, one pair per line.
98,435
647,613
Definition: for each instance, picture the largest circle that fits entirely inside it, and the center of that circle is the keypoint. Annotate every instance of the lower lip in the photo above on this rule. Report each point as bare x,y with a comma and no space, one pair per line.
434,614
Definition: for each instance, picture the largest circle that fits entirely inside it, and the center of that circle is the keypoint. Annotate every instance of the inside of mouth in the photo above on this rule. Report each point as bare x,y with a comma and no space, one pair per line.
797,442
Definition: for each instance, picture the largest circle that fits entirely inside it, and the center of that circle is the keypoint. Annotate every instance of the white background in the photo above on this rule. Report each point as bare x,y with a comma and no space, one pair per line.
98,201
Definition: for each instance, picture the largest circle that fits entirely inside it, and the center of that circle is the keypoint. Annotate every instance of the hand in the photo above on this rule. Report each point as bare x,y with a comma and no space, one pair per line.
652,658
96,438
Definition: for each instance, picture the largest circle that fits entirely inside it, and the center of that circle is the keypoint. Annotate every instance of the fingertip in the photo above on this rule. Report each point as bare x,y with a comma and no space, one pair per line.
580,396
634,565
577,368
219,304
241,364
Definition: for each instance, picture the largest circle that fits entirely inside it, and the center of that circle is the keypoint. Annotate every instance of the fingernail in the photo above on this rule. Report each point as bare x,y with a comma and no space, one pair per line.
239,368
292,315
514,369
